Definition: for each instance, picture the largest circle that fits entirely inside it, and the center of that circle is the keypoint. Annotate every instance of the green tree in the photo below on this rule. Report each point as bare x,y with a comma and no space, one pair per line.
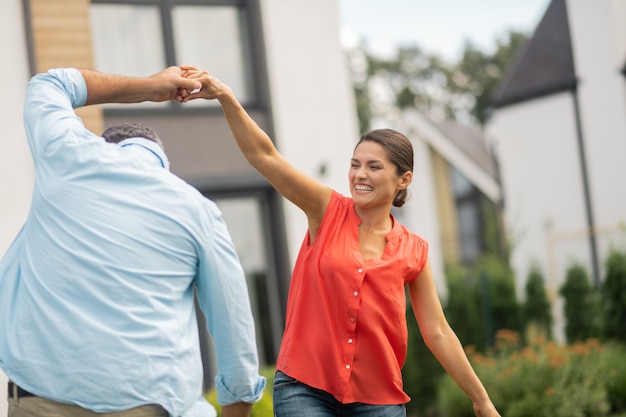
478,74
462,308
496,285
412,78
614,297
482,301
537,306
581,305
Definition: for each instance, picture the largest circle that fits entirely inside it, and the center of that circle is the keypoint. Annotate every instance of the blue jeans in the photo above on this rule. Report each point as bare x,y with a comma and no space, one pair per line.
293,398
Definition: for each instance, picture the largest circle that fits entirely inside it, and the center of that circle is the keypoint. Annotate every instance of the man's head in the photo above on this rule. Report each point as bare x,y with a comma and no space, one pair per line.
116,134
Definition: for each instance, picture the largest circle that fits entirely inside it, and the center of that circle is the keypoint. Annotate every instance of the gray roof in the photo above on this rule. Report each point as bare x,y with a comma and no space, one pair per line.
471,142
463,147
545,65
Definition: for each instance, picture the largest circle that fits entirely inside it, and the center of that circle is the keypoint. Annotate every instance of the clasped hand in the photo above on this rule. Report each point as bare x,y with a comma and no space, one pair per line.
209,87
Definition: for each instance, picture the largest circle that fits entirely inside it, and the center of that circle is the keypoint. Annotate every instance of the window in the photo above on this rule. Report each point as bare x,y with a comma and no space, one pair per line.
212,38
126,39
469,222
141,37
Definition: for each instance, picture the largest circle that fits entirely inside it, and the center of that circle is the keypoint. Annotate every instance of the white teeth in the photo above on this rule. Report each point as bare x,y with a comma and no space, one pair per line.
363,188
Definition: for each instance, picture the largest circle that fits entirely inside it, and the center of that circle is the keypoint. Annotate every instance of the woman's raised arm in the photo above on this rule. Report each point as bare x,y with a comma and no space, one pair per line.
304,191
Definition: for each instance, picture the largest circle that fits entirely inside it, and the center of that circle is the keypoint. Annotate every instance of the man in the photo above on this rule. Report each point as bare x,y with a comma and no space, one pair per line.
96,292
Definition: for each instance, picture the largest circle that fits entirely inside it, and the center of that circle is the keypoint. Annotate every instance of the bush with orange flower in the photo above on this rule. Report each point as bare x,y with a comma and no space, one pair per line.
544,378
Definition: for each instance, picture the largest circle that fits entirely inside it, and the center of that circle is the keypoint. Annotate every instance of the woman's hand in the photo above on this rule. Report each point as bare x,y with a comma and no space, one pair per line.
171,84
209,88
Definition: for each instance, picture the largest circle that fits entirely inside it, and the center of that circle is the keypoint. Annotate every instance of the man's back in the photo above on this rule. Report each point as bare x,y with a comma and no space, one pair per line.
96,292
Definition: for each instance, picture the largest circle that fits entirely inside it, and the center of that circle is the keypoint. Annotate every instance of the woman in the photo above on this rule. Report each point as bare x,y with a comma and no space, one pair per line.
345,336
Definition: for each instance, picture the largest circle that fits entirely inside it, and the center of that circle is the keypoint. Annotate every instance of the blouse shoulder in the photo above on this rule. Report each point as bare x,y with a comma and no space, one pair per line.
338,204
338,198
336,210
416,246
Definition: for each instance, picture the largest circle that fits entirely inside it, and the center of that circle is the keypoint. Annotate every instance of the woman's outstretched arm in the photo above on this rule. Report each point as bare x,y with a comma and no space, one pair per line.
303,190
444,344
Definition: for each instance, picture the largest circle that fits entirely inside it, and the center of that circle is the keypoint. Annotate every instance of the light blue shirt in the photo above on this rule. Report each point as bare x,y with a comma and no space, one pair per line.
96,291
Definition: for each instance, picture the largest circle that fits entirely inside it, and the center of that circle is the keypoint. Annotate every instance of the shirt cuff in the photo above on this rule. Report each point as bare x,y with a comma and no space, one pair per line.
227,396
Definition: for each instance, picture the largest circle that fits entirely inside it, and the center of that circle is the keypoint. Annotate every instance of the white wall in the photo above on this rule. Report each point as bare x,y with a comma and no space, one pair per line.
312,100
16,169
544,201
599,43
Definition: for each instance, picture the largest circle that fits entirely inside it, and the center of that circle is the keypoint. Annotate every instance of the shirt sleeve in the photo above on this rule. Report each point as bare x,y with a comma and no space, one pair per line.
49,107
223,297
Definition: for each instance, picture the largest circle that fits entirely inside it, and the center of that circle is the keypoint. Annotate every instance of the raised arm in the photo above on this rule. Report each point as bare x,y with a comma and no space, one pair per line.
52,96
304,191
168,84
444,344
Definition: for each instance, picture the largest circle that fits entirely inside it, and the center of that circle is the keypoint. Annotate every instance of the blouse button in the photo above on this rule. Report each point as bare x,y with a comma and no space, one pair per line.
347,366
360,269
349,340
352,319
355,293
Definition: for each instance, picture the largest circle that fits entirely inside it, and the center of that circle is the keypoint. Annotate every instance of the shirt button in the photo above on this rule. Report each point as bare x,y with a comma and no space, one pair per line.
347,366
349,340
352,319
355,293
360,269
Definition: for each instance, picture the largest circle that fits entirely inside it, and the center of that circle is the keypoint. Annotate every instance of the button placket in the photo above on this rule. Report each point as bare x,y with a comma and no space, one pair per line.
353,309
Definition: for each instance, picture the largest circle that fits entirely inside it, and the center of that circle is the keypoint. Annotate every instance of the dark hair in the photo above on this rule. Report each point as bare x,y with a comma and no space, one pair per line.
117,133
399,150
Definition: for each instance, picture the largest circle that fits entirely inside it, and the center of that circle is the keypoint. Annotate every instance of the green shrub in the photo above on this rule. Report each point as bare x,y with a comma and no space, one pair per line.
462,307
614,296
536,308
544,379
582,307
495,284
614,374
579,389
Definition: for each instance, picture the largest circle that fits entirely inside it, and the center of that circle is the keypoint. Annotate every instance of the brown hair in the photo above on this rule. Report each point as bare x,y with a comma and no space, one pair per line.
399,150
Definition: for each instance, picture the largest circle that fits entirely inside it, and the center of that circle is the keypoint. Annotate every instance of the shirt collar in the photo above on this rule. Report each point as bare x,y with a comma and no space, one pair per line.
149,146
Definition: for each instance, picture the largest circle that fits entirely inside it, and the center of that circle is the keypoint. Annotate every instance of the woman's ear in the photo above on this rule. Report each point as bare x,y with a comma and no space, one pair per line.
406,179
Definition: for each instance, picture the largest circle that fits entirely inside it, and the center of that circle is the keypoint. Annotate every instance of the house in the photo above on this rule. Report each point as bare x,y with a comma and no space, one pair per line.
559,131
286,67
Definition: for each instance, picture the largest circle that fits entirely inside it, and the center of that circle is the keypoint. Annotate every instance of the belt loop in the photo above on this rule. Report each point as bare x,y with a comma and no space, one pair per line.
13,387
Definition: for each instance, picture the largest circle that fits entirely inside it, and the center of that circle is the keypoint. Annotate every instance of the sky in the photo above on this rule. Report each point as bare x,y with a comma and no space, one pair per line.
437,26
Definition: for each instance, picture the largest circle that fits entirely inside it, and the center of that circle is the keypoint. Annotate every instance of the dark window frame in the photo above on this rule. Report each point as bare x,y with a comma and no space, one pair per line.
470,197
253,48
